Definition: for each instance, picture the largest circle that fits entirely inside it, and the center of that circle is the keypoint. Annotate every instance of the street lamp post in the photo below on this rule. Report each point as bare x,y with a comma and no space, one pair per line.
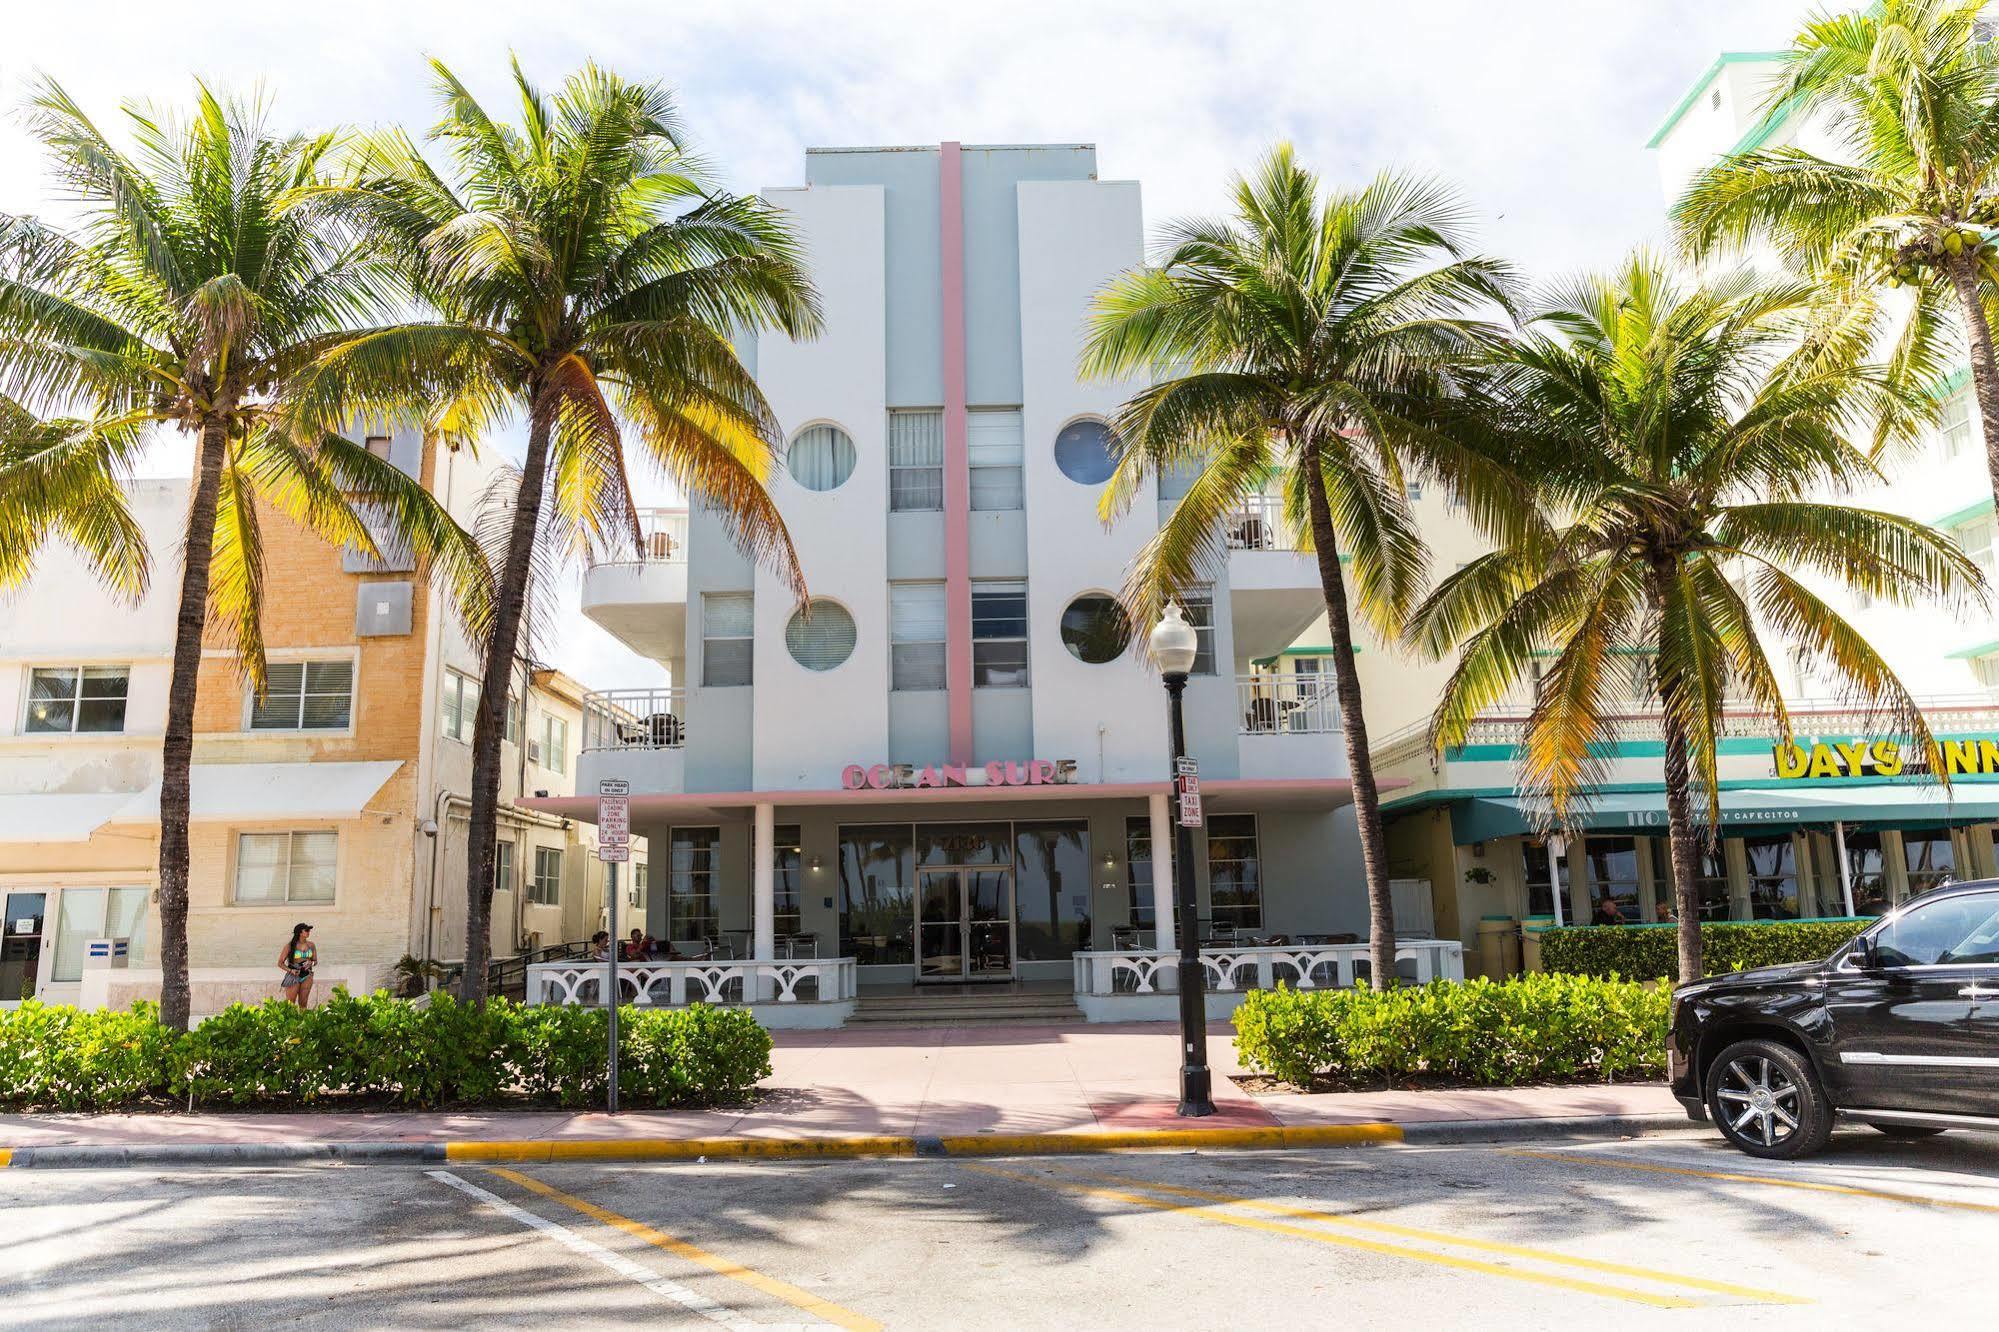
1174,646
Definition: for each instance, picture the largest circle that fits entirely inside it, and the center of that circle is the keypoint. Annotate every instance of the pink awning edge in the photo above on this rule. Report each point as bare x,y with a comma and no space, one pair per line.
1231,795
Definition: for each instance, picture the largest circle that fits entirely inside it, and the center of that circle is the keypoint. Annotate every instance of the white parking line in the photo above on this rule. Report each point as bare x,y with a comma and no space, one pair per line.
692,1301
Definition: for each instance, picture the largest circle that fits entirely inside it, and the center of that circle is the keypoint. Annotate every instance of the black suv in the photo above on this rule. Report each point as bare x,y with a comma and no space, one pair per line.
1898,1029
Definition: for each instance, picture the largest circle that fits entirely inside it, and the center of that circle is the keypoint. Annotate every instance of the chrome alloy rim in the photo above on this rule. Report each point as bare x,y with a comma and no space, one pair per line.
1759,1100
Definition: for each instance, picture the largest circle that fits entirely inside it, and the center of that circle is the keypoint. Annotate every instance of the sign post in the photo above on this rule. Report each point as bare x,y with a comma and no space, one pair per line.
614,848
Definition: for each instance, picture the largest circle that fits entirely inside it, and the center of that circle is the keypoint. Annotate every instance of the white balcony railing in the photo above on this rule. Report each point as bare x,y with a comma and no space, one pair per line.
1286,705
1258,523
635,719
664,984
662,540
1305,967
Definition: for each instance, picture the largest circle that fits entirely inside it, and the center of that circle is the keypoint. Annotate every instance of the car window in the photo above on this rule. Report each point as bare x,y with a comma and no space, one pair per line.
1953,930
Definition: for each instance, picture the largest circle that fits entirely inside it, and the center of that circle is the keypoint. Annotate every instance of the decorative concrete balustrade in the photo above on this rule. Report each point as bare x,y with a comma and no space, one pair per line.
1137,985
807,992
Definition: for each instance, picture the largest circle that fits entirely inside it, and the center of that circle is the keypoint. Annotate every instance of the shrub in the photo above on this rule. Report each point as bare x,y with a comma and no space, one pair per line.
1487,1033
1653,951
375,1047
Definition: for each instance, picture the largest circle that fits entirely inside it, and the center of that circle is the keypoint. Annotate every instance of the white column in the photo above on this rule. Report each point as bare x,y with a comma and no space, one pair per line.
1162,869
1557,849
763,893
1845,872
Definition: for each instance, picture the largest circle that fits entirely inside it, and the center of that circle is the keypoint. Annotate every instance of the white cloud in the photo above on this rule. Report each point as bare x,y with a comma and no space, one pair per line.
1539,112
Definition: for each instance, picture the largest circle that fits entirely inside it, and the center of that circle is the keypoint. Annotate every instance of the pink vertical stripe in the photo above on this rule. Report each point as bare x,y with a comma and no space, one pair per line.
957,468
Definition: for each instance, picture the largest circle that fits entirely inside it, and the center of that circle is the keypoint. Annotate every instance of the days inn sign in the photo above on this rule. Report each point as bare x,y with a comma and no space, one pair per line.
1881,758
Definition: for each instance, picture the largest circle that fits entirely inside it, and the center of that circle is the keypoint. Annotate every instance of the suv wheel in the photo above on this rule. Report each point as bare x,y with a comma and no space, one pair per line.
1767,1101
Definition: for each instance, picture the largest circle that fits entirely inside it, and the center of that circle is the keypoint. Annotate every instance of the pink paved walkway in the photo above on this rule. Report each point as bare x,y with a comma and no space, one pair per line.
897,1081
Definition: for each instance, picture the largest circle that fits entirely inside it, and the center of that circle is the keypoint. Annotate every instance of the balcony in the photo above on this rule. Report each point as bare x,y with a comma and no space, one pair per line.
1273,585
640,597
637,734
1287,727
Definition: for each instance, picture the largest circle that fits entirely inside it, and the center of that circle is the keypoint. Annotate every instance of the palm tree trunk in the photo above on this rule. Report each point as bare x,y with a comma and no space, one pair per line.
510,601
1680,840
1360,763
177,747
1984,363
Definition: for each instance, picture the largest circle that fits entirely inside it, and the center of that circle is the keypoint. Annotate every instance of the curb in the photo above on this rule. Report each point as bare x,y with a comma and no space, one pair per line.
820,1149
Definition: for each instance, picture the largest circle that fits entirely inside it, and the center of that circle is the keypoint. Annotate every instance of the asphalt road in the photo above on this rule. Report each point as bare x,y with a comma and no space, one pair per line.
1664,1231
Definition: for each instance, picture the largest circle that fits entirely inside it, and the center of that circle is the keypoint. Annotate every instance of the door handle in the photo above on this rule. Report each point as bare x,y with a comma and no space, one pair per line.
1977,992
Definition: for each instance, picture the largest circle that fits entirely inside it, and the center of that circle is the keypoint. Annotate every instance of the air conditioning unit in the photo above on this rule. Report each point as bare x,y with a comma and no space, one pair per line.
534,751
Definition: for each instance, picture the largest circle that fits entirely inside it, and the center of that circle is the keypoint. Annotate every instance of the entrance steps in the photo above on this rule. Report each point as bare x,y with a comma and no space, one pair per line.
967,1007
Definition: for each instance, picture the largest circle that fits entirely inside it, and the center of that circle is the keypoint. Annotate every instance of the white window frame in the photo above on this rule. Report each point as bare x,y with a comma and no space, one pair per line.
503,865
544,889
749,674
1979,547
554,742
1002,586
1204,627
916,487
304,661
454,722
52,931
1954,424
897,679
291,836
1256,850
76,696
995,450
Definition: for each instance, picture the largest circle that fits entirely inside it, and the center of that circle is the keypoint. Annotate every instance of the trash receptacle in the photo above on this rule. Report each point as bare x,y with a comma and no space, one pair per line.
1498,946
1530,941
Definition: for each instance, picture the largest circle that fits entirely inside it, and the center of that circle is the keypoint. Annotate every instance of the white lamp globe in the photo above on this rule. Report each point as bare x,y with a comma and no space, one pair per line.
1174,643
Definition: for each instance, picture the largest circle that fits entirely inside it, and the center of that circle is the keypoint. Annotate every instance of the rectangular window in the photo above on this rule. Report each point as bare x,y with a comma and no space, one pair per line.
1138,871
305,696
790,878
503,867
1052,881
97,913
1711,878
458,710
511,728
877,899
1613,880
80,699
1930,859
554,743
915,461
1235,881
379,446
1176,479
1954,427
1413,491
546,888
728,621
273,868
1538,873
916,635
993,452
693,859
999,634
1867,873
1773,879
1199,606
1975,539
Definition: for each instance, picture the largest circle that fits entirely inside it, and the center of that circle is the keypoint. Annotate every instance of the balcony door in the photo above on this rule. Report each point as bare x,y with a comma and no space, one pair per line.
964,924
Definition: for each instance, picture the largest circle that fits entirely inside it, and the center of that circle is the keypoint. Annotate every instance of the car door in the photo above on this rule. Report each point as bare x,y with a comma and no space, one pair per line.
1921,1032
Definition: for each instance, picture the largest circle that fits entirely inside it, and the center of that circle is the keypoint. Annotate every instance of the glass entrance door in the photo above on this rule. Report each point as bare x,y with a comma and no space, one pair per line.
964,925
21,945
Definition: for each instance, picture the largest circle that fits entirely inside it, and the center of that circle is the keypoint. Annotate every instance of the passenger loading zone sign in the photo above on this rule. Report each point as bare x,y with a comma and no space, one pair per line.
614,821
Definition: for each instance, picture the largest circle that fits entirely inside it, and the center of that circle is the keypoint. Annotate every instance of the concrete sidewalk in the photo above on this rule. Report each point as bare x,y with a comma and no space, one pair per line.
953,1084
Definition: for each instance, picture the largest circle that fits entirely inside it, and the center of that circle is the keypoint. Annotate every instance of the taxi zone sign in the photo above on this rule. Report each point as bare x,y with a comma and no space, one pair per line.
1881,758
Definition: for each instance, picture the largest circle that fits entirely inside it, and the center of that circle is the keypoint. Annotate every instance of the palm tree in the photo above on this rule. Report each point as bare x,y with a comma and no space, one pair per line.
580,272
1317,340
1678,432
187,298
1912,93
63,478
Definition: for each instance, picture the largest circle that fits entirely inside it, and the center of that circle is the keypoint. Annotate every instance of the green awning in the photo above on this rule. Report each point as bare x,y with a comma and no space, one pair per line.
1858,805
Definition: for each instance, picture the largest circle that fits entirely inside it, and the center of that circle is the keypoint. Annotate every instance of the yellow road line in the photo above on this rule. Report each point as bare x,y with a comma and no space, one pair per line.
1460,1241
1811,1186
6,1157
1347,1241
783,1290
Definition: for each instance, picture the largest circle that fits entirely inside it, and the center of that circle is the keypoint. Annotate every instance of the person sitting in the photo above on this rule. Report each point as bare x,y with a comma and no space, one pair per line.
640,947
1607,912
600,946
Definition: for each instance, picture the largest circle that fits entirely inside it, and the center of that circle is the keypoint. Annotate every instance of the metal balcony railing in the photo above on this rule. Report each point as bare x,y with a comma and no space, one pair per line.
1258,523
1286,705
635,719
662,540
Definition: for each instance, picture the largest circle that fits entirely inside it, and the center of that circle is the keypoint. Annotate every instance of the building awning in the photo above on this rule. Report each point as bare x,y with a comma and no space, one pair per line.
258,792
1219,795
57,816
1859,805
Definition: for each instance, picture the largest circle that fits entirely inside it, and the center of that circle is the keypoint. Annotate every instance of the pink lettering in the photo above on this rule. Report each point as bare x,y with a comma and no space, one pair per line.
1016,774
996,773
954,774
853,777
878,776
1041,772
928,777
904,774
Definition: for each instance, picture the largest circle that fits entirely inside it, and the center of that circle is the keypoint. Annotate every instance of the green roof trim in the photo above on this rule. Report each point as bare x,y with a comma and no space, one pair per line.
1982,650
1300,652
1975,509
1952,382
1701,85
1772,121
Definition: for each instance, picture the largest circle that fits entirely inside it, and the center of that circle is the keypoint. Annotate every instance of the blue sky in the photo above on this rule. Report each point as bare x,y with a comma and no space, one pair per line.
1539,111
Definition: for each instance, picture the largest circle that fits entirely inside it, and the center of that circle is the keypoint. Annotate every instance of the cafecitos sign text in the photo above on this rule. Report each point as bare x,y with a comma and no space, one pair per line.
1881,758
1000,772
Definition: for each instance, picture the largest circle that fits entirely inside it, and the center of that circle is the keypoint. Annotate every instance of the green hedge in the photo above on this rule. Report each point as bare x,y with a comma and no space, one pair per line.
1652,951
379,1048
1482,1032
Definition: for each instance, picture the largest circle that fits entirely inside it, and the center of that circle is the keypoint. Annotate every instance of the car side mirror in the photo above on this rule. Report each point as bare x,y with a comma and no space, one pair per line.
1866,955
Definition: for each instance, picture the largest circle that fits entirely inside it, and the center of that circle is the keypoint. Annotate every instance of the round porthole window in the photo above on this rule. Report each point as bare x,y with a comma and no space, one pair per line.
821,636
1083,450
821,458
1095,629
